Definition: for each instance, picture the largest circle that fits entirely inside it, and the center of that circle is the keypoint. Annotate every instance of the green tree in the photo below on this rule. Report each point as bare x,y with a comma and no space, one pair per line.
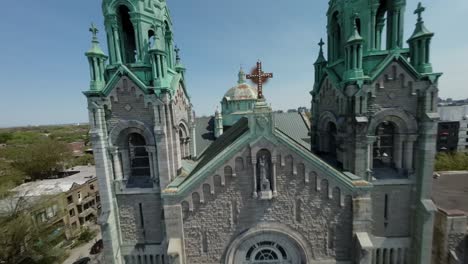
83,160
41,159
23,239
451,161
5,137
9,176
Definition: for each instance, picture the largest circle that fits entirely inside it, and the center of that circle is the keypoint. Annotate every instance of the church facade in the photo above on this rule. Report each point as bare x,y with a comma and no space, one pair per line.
351,184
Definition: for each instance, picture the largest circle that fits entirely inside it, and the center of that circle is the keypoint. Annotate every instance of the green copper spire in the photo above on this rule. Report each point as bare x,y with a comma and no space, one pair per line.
96,59
95,49
241,76
179,67
320,58
420,44
140,37
355,36
420,29
354,54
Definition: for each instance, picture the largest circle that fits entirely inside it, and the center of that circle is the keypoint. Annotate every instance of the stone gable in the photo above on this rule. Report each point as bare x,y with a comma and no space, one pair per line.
128,103
223,207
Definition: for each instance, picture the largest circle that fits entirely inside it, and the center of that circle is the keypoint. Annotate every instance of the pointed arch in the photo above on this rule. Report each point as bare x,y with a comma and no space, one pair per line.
336,37
184,140
128,42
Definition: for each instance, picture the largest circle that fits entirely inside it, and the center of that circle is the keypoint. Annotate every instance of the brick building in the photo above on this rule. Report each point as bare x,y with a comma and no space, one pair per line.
67,203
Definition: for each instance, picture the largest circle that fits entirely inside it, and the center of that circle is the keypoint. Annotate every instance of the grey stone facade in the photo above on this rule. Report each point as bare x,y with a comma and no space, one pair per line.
310,208
258,194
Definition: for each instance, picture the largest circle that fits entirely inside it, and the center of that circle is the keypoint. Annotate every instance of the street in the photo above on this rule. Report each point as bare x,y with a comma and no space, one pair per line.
83,251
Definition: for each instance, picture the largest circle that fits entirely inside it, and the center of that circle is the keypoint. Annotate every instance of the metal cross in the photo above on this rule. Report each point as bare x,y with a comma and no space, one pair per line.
177,50
419,11
93,30
321,43
259,77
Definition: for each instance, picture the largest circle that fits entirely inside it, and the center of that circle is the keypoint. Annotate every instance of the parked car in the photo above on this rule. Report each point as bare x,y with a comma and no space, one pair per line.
97,247
84,260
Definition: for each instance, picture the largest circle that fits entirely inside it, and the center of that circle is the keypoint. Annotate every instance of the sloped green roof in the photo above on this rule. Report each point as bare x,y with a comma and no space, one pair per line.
204,133
222,142
293,126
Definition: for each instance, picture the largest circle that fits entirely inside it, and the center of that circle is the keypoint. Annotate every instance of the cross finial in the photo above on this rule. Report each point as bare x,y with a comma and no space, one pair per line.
355,18
177,50
321,43
259,77
419,11
94,31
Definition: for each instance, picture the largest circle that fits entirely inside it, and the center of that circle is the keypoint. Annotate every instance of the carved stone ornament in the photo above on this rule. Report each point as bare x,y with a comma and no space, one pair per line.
262,121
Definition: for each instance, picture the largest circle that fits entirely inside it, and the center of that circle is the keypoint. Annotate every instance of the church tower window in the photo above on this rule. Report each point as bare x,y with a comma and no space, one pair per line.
151,38
336,38
358,25
127,33
139,158
380,25
383,146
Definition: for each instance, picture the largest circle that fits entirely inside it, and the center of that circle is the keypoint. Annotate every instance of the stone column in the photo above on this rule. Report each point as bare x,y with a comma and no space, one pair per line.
408,153
117,45
163,153
117,164
398,151
273,175
126,163
373,28
187,147
110,37
152,160
378,37
254,167
370,157
97,73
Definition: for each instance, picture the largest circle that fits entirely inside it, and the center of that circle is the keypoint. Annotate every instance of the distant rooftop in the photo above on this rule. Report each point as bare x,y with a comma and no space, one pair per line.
450,191
453,112
79,175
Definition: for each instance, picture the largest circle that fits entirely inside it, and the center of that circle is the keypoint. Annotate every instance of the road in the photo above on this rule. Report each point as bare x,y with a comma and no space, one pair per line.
83,251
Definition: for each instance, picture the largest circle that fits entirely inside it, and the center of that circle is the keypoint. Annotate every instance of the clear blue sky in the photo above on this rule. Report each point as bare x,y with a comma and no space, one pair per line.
43,68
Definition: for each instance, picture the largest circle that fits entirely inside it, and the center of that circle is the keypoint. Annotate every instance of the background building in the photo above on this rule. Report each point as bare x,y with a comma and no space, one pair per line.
66,204
450,194
453,128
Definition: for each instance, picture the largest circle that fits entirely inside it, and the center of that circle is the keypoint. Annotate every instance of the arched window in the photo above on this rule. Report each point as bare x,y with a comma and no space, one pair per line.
127,35
358,25
184,142
336,44
139,159
266,252
151,39
381,25
384,145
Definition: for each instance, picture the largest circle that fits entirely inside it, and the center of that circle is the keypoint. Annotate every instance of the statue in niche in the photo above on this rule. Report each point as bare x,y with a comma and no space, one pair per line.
264,173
